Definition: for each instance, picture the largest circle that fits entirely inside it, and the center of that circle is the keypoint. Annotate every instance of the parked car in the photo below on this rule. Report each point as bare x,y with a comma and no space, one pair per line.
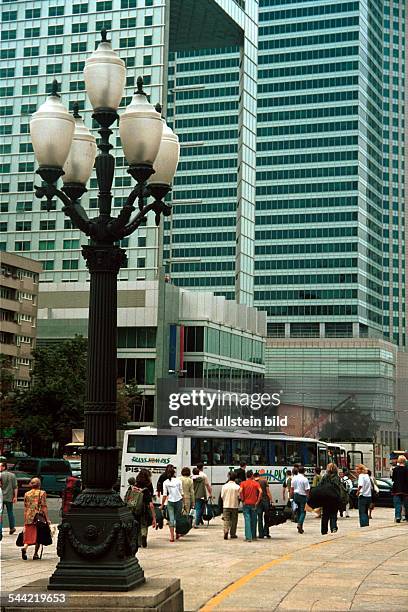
23,482
13,457
75,467
384,497
52,472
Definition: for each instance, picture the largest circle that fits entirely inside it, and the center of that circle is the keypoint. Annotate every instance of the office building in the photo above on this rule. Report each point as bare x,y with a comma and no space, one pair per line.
165,332
19,302
46,40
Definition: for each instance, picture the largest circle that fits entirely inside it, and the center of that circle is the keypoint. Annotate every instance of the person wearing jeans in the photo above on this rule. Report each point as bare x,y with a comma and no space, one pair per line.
230,502
10,489
364,494
400,488
299,492
173,493
263,506
250,494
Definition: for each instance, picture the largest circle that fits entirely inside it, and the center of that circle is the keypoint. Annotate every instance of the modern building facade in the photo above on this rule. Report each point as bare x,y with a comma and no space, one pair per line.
18,314
42,41
395,224
165,332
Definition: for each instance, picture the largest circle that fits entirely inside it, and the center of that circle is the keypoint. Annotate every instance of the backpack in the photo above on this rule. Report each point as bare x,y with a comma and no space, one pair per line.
135,500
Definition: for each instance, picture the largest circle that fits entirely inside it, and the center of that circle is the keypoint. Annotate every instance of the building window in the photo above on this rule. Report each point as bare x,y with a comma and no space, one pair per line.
148,20
71,244
106,24
22,245
4,187
4,207
129,22
31,32
47,224
141,241
70,264
24,206
141,262
55,30
23,226
5,168
3,227
78,47
26,147
30,70
9,16
54,68
124,43
77,28
79,9
77,66
33,13
104,6
7,73
25,186
31,51
44,205
136,337
47,264
9,35
6,92
147,60
147,41
55,11
128,4
27,90
54,49
46,245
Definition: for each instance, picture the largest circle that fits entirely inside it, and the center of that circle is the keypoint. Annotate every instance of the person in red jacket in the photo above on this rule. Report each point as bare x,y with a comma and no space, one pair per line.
250,494
71,491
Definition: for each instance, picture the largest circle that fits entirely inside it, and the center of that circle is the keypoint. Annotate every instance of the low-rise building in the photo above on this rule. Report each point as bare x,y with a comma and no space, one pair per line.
18,313
165,332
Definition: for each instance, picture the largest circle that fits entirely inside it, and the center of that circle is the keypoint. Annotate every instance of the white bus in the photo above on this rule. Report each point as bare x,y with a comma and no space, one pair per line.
220,451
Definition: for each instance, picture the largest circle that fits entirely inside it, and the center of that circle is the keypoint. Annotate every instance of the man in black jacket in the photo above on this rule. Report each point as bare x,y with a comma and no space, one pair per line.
241,472
400,488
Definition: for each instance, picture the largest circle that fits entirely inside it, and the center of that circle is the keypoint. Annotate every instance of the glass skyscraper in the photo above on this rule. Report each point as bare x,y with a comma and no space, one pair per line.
395,235
41,41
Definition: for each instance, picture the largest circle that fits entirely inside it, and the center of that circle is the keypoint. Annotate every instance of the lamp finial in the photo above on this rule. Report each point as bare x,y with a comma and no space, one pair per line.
54,88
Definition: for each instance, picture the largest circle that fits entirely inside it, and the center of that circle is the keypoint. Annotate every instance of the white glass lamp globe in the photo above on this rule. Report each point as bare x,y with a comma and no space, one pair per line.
105,76
81,158
140,129
52,128
166,161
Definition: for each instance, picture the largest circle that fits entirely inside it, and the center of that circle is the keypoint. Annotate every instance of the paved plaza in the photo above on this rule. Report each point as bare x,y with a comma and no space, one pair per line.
354,569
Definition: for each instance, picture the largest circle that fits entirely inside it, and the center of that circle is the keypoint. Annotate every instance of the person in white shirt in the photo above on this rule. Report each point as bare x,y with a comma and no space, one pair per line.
364,494
230,502
299,492
173,494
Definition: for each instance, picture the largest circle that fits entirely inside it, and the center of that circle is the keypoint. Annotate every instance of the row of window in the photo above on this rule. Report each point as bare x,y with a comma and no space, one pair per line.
307,158
309,99
308,311
306,188
322,40
77,9
199,179
305,56
216,251
297,264
204,108
202,237
46,245
312,232
309,11
291,249
326,83
206,121
307,69
204,266
306,279
312,218
301,173
308,26
306,294
308,143
308,113
205,281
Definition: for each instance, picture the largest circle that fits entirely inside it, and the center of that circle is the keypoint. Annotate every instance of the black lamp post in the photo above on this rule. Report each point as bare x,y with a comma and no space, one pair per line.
97,538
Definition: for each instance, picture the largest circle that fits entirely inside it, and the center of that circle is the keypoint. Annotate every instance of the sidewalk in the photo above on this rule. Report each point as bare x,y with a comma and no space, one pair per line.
354,569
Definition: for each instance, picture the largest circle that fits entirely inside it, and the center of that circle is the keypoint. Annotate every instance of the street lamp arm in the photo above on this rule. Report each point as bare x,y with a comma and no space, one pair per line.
72,208
137,220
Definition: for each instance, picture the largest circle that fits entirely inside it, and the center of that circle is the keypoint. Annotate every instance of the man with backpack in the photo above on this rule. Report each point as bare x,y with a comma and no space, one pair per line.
348,486
139,500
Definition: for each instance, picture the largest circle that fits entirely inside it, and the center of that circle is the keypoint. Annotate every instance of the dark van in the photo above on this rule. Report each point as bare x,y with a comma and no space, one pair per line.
52,472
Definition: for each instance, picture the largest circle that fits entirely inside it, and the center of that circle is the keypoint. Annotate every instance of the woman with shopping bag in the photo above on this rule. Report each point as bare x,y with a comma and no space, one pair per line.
36,523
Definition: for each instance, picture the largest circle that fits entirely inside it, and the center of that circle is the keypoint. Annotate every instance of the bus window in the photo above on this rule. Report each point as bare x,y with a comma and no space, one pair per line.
343,459
164,445
293,450
221,451
309,453
259,452
240,451
277,452
201,451
322,457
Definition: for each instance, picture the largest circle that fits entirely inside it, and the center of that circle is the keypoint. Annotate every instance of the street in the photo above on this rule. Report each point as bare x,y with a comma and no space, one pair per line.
354,569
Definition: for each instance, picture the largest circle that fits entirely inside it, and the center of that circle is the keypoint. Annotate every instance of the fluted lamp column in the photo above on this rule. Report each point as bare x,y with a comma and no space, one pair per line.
97,538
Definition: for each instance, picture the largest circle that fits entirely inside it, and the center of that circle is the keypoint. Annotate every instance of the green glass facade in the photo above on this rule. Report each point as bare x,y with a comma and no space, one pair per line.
45,40
395,279
319,167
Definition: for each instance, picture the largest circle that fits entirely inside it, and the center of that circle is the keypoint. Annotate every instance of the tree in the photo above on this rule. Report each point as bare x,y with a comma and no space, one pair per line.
129,397
349,424
54,404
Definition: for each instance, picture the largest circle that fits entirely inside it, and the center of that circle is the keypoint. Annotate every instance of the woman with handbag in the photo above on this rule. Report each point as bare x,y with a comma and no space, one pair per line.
374,493
35,512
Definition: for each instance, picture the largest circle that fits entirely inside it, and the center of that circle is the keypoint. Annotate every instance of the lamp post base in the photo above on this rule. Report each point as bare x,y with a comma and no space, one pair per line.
97,547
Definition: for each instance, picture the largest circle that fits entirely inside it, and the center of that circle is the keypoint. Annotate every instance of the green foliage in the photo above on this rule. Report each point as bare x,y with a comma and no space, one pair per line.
54,404
349,424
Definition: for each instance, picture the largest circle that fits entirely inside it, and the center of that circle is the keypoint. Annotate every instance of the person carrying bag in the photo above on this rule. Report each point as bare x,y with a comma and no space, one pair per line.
36,523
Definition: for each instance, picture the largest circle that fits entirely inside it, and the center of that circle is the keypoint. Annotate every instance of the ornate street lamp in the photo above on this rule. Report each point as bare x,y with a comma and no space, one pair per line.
97,538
